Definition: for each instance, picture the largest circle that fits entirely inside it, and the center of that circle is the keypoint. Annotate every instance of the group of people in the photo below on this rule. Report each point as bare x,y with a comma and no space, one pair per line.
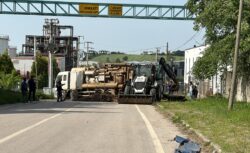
31,85
193,91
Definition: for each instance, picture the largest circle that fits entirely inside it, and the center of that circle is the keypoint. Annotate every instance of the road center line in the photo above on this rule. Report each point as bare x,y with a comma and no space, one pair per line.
31,127
156,141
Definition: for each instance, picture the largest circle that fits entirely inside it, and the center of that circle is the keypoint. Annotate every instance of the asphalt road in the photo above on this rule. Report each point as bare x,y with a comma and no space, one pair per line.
81,127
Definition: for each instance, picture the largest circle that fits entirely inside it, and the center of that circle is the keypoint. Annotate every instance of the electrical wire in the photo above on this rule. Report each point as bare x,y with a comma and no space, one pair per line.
160,47
190,39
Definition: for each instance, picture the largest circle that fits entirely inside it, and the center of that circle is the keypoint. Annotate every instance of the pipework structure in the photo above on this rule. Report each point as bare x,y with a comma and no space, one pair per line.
63,43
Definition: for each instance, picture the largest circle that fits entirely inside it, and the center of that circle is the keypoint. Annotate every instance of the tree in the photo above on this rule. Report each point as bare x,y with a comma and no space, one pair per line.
6,64
42,70
219,19
125,58
118,60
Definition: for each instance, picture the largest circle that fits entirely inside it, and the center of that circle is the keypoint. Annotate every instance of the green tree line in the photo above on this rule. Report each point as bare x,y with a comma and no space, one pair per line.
219,19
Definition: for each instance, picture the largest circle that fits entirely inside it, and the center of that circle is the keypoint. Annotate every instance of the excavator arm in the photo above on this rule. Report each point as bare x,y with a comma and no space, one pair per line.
170,73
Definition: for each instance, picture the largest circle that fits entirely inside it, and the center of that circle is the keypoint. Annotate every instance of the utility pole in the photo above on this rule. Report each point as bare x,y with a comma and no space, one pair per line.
156,54
237,44
52,31
50,58
79,50
87,56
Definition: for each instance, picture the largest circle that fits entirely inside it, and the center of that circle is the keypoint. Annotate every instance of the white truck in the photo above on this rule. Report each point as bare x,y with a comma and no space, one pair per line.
71,80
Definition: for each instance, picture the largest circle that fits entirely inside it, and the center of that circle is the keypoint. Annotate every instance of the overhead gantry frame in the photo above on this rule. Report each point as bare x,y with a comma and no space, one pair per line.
80,9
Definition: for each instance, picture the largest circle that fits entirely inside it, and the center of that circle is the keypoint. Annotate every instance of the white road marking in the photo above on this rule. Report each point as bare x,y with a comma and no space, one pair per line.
31,127
156,141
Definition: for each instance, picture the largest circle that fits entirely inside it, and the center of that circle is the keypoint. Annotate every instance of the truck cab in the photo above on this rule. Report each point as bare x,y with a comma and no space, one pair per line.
65,79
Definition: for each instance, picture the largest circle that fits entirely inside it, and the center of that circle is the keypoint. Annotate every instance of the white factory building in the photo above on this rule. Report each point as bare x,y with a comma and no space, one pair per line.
212,85
23,64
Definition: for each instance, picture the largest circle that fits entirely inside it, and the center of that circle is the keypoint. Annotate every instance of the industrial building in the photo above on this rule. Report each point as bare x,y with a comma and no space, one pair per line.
59,39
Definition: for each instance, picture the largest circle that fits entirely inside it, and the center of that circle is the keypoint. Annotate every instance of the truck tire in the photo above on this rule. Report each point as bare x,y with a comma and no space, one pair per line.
73,95
153,94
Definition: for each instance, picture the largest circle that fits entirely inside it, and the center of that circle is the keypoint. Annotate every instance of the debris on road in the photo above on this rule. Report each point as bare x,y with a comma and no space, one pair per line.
187,146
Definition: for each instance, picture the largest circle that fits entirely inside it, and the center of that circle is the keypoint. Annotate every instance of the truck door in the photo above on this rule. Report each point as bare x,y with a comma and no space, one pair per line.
65,82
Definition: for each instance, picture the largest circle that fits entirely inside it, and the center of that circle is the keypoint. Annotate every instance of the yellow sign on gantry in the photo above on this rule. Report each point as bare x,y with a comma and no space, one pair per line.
115,10
90,9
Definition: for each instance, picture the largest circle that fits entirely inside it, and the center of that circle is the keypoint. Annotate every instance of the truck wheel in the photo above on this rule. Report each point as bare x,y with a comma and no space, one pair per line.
73,95
153,94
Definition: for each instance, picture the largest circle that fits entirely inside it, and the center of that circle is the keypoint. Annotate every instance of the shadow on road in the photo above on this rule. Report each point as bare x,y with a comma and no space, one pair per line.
52,107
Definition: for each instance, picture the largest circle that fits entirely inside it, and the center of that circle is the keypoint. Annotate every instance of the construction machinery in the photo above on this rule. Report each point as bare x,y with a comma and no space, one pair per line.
148,83
95,84
130,83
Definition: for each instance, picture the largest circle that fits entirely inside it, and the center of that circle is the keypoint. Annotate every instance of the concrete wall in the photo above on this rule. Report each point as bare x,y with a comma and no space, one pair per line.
242,89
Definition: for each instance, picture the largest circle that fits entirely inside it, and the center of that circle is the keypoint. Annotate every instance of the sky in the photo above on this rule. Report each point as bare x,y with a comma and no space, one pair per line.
127,35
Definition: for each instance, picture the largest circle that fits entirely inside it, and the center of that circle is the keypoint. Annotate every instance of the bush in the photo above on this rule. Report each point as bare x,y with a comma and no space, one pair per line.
9,81
125,58
118,60
10,97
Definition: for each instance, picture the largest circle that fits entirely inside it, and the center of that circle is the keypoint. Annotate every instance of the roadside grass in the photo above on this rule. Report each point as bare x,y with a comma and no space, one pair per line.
229,129
113,57
9,97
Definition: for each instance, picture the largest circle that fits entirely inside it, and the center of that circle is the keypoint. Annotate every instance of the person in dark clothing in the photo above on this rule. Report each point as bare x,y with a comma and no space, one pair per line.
194,92
24,89
59,90
32,89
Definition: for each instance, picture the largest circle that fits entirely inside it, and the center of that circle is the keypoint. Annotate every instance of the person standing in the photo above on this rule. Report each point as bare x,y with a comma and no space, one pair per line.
32,89
195,92
59,90
24,89
191,89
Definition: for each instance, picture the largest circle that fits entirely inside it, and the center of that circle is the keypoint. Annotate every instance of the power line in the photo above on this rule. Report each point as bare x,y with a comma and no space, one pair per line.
190,39
153,48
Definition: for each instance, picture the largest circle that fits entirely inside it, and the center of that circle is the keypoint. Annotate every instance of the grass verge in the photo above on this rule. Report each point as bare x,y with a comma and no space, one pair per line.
229,129
9,97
